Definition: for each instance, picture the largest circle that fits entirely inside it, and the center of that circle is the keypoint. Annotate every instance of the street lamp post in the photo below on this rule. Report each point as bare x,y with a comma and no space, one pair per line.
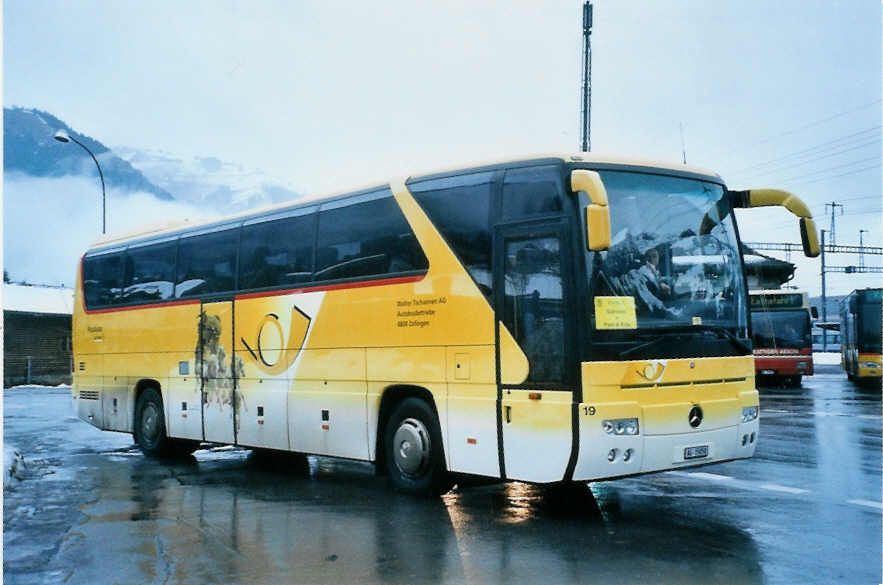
63,136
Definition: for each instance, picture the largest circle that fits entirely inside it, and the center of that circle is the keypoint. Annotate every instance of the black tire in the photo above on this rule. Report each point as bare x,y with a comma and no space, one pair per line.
797,380
415,457
150,429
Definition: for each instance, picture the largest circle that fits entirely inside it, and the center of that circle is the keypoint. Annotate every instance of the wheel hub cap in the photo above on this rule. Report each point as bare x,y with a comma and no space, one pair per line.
149,422
411,447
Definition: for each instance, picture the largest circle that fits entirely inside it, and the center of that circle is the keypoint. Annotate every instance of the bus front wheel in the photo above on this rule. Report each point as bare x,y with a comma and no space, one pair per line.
413,447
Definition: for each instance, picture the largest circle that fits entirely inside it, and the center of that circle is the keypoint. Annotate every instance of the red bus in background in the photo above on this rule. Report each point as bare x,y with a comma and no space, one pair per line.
780,321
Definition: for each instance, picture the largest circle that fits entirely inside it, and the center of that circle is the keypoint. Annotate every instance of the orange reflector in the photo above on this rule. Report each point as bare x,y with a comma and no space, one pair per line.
260,421
535,396
183,415
471,440
325,427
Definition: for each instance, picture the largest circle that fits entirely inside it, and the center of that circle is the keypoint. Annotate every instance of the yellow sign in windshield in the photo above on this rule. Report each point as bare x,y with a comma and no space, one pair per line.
615,313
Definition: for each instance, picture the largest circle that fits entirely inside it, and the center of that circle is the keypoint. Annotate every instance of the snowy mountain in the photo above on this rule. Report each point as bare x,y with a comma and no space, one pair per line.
208,182
29,148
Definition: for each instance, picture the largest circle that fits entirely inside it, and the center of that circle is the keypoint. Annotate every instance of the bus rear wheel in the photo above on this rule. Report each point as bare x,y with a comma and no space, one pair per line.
413,448
150,429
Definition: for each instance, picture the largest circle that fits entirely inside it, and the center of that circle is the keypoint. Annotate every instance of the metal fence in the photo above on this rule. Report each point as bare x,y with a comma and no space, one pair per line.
27,369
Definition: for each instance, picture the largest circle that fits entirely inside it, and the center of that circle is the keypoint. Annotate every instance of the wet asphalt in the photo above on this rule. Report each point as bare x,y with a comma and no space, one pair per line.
83,506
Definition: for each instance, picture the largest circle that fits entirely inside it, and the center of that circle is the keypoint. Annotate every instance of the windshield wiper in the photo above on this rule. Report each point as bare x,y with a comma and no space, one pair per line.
741,345
713,328
644,345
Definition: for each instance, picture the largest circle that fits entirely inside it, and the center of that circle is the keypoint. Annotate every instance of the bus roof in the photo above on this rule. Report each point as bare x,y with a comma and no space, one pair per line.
603,162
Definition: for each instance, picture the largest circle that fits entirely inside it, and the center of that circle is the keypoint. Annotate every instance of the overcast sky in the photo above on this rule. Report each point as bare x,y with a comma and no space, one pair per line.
331,95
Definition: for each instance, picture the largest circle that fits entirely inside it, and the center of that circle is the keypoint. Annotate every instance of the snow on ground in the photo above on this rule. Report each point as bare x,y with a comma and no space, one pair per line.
826,358
24,386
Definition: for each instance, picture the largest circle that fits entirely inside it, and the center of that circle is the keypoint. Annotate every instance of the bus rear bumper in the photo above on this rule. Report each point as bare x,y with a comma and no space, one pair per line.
615,456
801,365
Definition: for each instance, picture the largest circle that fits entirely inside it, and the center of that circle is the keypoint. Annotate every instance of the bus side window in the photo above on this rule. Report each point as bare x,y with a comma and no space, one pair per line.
150,273
277,253
459,206
368,238
532,191
103,279
206,263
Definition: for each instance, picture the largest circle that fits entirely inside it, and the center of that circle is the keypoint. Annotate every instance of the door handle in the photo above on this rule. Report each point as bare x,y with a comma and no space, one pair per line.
508,414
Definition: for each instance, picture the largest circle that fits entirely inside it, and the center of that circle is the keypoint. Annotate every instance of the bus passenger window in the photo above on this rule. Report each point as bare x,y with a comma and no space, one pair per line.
371,238
206,263
103,279
150,273
277,253
459,206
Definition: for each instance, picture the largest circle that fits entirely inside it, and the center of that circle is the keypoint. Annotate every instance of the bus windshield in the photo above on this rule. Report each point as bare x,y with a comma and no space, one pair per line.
780,329
674,251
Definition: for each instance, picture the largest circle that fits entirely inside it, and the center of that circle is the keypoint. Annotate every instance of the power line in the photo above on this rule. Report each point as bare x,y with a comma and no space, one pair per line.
816,123
823,156
834,168
821,146
841,174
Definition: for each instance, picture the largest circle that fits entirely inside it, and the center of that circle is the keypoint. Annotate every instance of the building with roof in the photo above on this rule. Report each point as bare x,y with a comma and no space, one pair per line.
765,272
36,334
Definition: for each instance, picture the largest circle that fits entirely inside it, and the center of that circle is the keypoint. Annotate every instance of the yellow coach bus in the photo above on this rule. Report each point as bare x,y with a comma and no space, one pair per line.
860,333
550,319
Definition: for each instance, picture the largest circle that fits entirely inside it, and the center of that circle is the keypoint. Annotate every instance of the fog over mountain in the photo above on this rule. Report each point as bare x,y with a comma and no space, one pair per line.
52,195
209,182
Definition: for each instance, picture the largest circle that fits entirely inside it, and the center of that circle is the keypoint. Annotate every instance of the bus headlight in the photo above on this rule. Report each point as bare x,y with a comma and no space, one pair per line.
870,365
749,413
621,426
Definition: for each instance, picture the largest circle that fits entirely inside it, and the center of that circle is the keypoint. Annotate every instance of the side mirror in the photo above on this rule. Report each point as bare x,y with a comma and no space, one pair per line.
809,237
814,312
777,197
597,212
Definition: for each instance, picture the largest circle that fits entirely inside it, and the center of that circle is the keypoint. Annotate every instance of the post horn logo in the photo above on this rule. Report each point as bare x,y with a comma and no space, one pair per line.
652,371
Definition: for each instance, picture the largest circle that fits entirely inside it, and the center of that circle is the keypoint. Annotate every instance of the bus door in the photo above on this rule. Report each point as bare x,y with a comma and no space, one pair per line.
533,304
216,364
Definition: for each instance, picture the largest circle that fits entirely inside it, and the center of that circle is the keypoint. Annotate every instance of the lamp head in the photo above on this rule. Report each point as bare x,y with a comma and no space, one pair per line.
62,136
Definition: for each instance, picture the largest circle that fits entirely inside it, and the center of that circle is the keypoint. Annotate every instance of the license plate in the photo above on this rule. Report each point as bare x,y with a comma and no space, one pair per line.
768,372
696,452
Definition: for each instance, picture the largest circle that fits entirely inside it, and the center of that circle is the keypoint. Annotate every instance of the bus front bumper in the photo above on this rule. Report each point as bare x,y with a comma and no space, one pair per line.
605,456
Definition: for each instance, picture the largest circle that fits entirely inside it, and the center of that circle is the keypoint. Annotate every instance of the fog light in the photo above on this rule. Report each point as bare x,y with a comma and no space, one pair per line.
611,455
751,438
744,440
627,454
869,365
749,413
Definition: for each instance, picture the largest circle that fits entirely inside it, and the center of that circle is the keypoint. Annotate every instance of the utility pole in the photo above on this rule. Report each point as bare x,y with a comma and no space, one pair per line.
683,144
587,77
824,298
861,252
833,205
